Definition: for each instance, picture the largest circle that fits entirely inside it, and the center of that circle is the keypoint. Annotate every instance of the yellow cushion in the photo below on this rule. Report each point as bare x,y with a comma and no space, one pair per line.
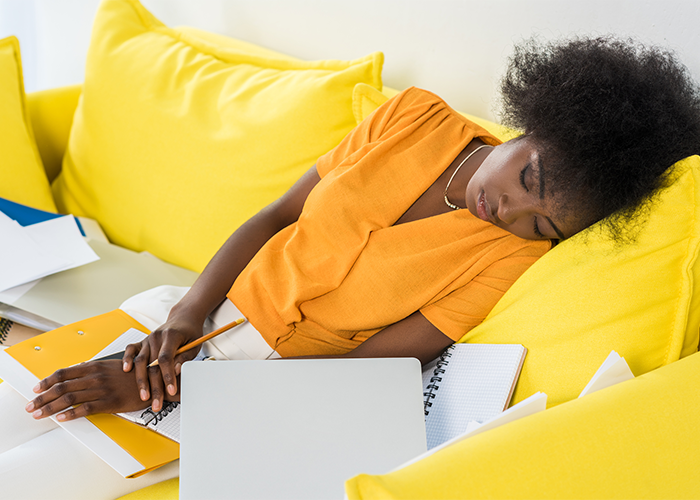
165,490
178,140
638,439
588,296
22,176
217,41
366,99
52,116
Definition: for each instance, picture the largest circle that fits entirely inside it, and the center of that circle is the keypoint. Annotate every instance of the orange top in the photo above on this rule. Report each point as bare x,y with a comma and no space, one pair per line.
343,271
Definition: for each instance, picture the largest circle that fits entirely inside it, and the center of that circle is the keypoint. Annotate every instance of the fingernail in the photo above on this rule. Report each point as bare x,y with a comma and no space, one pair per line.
30,406
172,390
144,395
60,417
156,405
36,414
178,368
37,388
126,366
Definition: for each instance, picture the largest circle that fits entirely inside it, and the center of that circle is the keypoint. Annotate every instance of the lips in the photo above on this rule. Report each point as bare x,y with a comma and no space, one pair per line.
482,208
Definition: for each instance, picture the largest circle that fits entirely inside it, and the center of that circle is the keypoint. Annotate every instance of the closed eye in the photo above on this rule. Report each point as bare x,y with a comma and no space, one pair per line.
522,177
536,228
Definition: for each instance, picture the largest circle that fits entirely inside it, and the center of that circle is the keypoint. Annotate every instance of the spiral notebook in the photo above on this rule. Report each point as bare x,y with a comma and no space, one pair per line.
468,383
165,422
5,326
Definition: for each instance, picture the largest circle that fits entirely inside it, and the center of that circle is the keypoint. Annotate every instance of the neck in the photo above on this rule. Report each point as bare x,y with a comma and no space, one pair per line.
457,188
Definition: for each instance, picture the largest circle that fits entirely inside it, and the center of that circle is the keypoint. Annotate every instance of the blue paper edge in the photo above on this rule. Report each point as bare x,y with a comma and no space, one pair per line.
26,216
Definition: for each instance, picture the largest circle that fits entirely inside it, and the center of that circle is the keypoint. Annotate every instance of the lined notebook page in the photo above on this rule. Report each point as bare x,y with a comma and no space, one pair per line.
468,382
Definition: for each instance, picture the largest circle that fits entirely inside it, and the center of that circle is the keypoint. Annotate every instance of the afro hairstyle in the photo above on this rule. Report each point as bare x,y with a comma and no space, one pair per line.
608,118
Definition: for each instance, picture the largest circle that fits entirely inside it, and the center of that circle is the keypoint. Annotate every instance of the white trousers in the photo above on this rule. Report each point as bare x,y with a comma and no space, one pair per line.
39,460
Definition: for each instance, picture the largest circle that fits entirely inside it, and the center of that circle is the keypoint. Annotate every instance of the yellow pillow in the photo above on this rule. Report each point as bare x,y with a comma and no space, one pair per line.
589,295
52,113
637,439
165,490
22,176
177,140
366,99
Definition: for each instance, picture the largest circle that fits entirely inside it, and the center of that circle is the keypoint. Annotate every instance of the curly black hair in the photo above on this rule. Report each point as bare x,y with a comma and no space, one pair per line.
608,116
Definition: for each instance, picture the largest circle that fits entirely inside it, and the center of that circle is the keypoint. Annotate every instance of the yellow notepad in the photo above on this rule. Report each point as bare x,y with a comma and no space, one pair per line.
129,448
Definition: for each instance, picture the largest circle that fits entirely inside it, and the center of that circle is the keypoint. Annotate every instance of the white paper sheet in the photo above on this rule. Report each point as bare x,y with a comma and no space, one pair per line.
32,252
21,259
63,238
131,336
14,293
613,371
534,404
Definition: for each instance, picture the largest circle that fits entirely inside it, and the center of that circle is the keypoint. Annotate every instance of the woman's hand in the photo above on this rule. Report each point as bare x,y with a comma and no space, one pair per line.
96,386
161,345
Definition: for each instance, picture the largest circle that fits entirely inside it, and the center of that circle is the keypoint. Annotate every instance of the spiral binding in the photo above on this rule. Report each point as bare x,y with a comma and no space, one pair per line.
149,415
435,380
5,327
167,408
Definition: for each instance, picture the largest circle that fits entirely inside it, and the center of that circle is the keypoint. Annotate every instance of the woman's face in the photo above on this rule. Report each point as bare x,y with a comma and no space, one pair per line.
509,190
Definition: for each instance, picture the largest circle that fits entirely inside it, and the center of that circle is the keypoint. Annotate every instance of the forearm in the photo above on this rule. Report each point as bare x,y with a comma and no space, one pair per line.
186,318
412,337
213,284
216,280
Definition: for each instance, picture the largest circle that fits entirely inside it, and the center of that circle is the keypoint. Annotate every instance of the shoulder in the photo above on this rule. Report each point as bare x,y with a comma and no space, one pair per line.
418,101
412,111
416,104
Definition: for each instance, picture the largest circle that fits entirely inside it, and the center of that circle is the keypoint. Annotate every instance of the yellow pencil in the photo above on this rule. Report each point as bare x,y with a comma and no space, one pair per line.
208,336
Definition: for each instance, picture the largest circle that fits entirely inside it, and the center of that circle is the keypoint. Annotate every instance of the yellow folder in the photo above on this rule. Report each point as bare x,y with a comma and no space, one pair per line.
66,346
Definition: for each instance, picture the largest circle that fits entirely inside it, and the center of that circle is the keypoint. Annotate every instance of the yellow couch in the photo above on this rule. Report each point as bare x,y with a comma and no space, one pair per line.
152,146
640,439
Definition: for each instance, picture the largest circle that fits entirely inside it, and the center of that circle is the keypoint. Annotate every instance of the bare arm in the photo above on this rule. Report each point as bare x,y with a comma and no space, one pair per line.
412,337
213,284
102,387
186,318
99,389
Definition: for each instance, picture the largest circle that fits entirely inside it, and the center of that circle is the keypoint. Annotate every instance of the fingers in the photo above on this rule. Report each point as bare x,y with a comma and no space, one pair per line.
66,397
140,363
156,380
59,396
161,344
166,362
62,390
61,376
131,351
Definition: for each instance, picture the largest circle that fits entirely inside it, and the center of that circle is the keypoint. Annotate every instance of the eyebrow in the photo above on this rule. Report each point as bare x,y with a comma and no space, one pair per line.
540,174
556,229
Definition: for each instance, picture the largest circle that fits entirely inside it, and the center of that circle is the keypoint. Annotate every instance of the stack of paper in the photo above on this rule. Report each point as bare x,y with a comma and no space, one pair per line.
32,252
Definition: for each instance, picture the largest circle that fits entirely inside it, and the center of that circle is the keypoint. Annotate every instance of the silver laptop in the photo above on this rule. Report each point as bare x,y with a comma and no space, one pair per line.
296,428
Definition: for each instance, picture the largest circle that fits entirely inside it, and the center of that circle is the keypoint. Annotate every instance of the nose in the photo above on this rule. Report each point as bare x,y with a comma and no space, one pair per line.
510,209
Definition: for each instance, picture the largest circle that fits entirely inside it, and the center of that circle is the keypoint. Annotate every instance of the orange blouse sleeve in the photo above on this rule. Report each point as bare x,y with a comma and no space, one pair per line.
392,117
466,307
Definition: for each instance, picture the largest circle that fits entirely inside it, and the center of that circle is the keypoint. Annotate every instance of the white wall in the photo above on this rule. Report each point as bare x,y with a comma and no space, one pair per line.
454,47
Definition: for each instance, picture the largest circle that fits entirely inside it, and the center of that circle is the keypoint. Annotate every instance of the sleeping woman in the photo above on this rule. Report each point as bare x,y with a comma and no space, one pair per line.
402,239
